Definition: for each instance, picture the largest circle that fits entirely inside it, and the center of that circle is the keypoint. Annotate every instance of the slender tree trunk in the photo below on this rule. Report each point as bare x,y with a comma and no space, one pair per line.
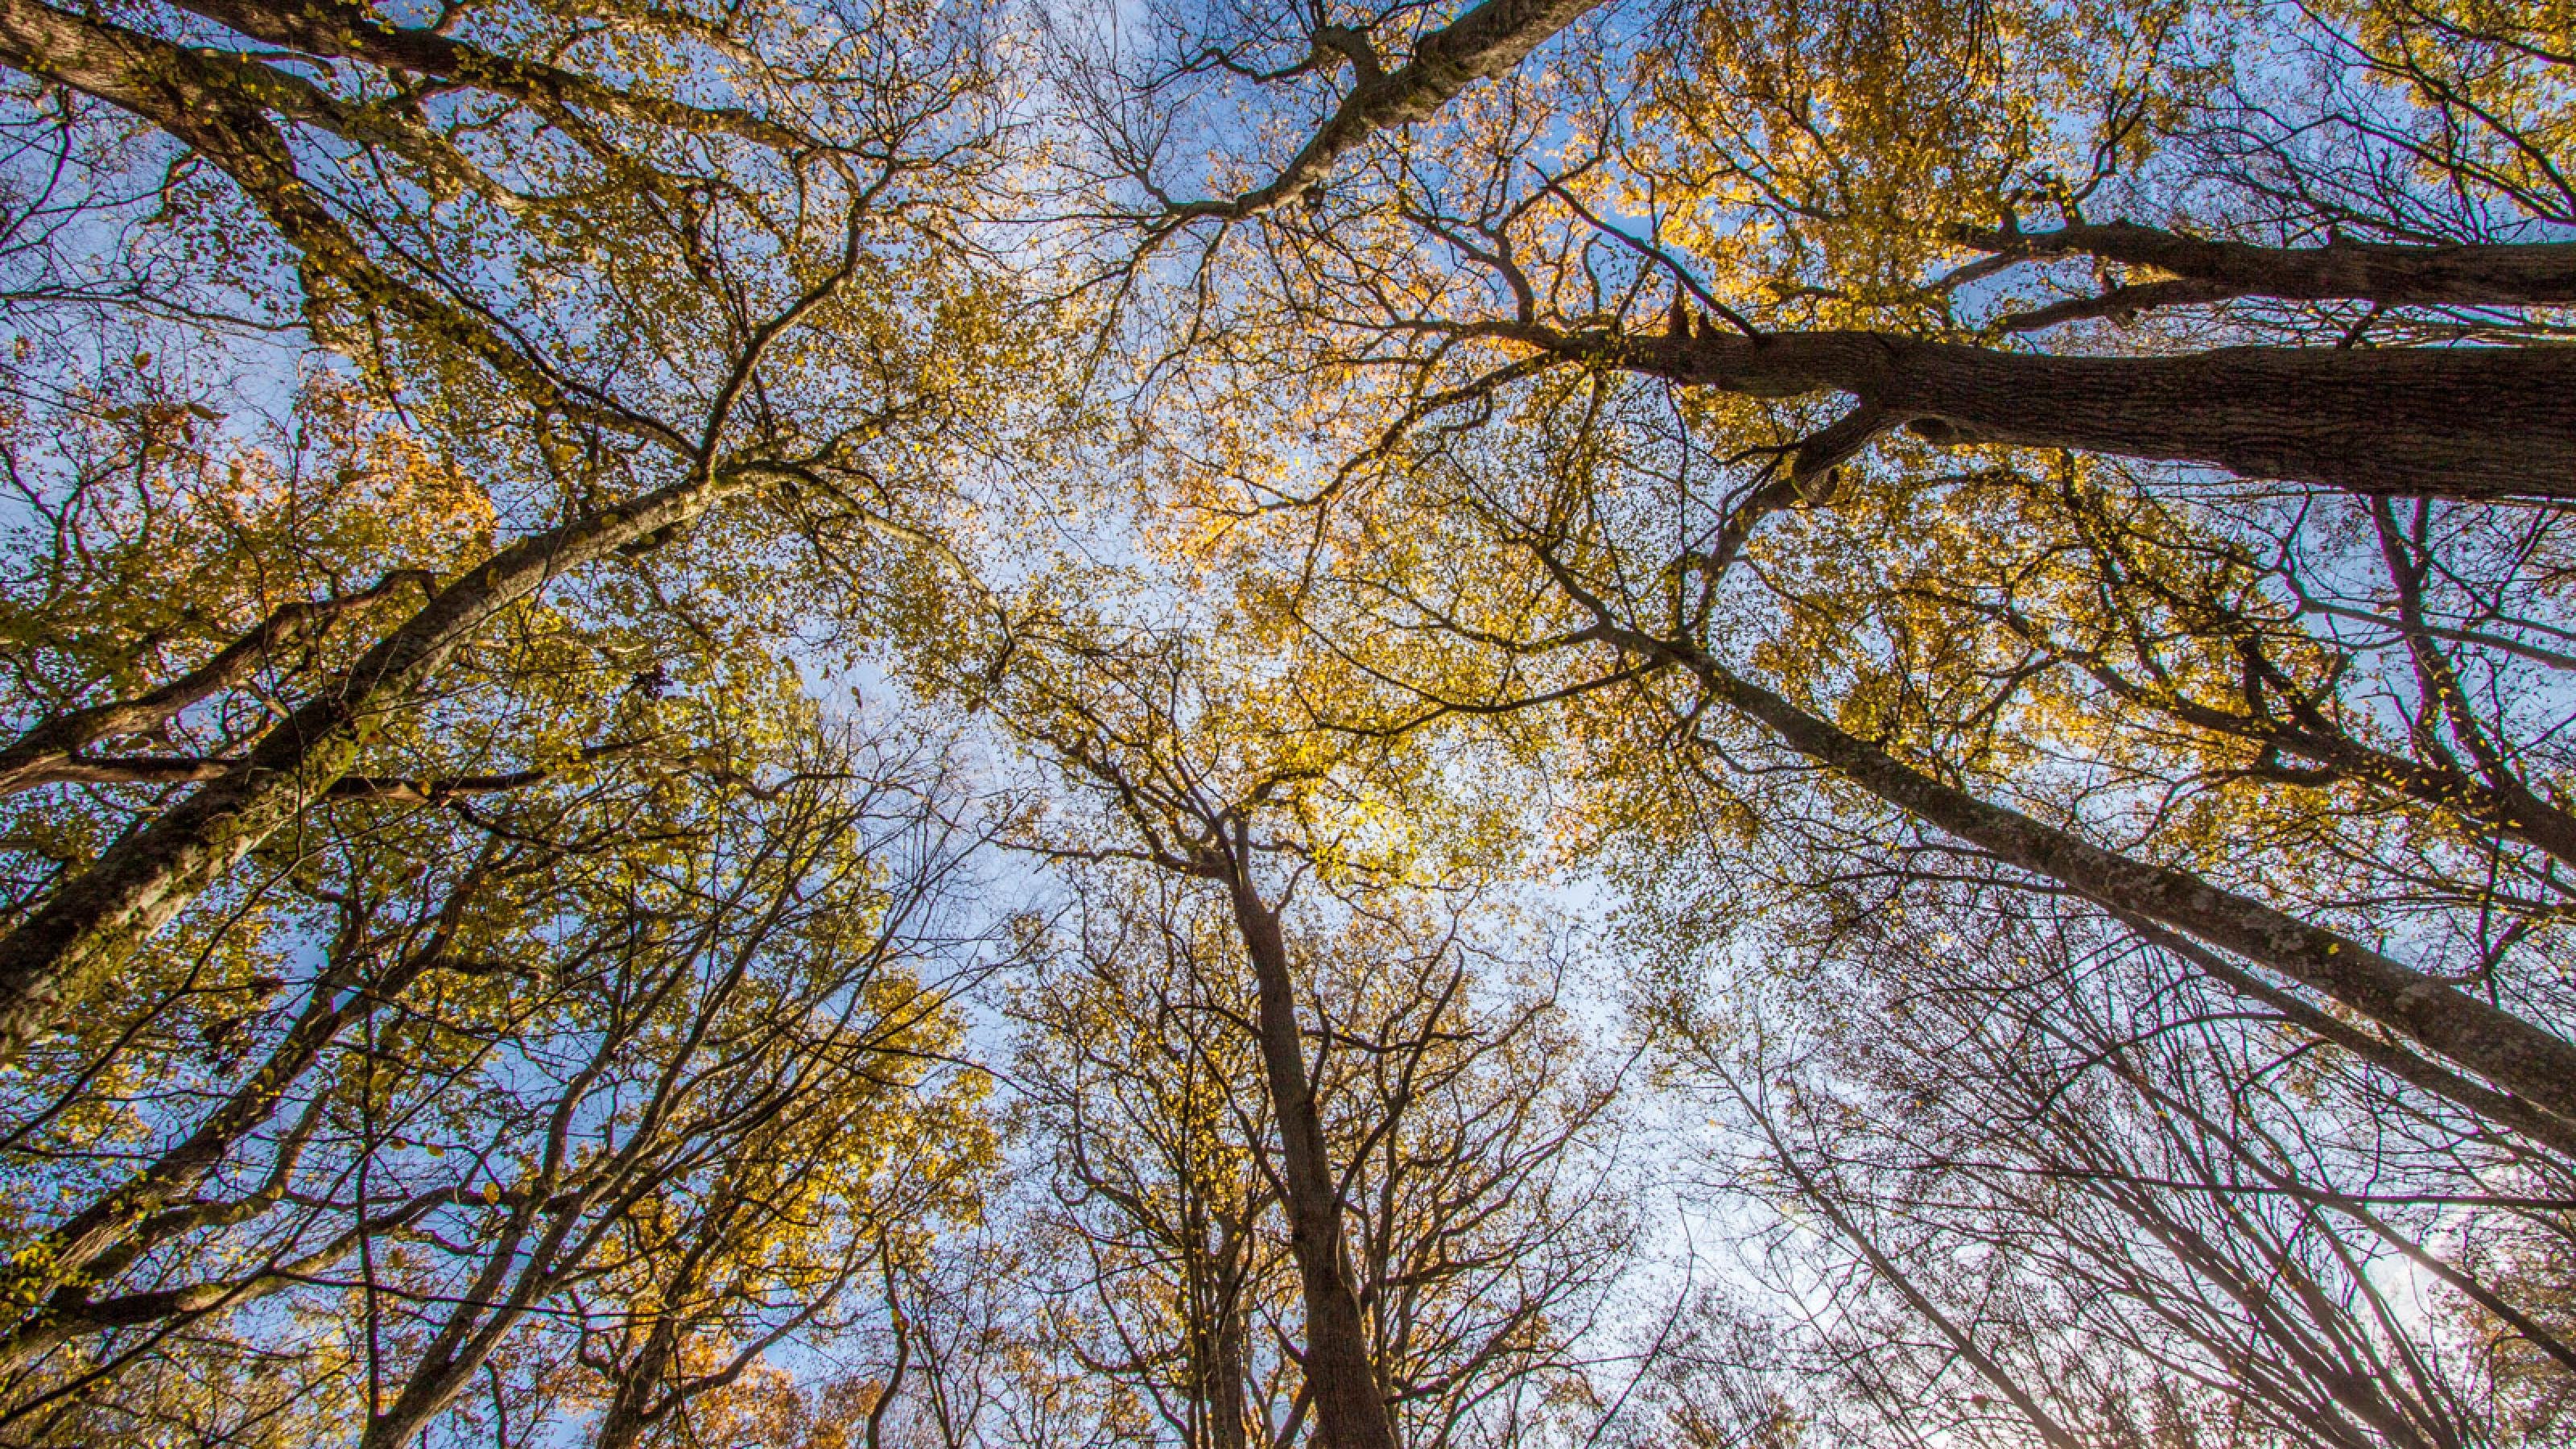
152,1205
1486,41
152,874
629,1414
1225,1404
216,103
2504,275
2506,1111
2476,423
1963,1343
45,752
482,1316
2508,1051
1348,1404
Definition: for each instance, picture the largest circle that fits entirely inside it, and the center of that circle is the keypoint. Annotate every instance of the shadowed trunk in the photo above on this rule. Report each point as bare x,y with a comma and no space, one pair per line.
1225,1398
630,1407
1480,44
45,752
2534,1065
152,874
2475,423
340,29
1348,1405
2507,275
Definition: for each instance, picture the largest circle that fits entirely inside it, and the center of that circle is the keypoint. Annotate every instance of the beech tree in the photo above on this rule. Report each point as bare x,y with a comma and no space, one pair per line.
1789,167
1506,411
631,339
672,1089
2155,1215
1931,637
1639,562
1271,1040
1478,1217
405,759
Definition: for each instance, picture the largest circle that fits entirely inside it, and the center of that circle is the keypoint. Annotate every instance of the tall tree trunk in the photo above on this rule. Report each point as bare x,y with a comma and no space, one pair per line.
347,31
629,1412
1348,1404
2508,1051
152,874
2523,274
1225,1397
2476,423
537,1242
217,103
1486,41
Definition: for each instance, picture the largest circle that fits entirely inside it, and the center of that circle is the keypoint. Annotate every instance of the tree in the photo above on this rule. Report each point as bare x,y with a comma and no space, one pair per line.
2137,1212
1503,414
742,283
1475,270
672,1091
1138,1074
1641,566
1223,1051
1983,587
1483,1223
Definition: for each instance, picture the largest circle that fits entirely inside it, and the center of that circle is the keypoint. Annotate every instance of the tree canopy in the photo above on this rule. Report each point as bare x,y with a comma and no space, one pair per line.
1028,723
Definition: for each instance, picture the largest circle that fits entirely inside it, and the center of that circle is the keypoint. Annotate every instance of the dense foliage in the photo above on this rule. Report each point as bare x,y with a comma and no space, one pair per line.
1741,723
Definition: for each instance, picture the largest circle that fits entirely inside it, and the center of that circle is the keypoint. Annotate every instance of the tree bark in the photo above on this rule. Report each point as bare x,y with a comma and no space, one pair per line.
152,874
2511,1113
2474,423
216,104
628,1415
45,751
1348,1404
2508,275
1484,42
1225,1396
2511,1053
